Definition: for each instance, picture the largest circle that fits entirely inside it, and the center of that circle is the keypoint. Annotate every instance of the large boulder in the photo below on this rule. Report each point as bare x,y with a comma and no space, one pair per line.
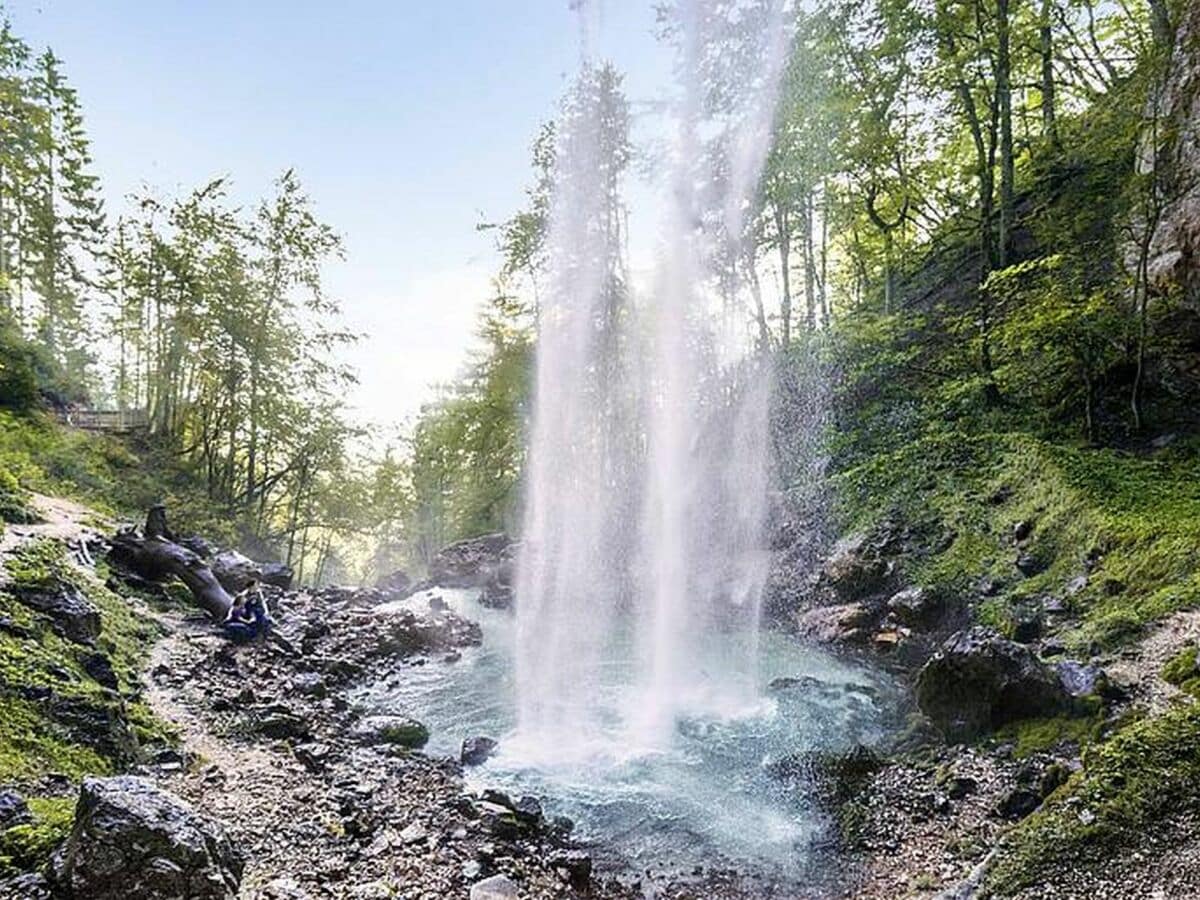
397,584
845,623
133,841
474,562
979,680
71,614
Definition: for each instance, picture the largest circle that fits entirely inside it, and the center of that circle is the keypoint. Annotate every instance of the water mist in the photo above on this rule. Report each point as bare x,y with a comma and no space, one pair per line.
642,565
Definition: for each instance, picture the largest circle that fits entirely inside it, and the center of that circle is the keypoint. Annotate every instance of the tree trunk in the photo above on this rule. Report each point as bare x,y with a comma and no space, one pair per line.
1004,108
783,238
1046,42
156,558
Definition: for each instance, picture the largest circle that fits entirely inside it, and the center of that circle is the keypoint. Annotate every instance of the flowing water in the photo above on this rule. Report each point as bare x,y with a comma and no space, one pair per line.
647,475
711,796
629,687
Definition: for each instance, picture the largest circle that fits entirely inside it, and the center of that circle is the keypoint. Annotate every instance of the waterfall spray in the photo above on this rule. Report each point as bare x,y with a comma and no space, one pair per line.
647,474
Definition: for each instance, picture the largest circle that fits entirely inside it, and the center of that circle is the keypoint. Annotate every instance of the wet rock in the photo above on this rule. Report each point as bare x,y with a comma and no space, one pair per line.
397,584
398,730
477,750
1081,680
576,864
71,614
13,810
498,887
133,841
848,623
978,681
1022,530
854,568
916,607
529,810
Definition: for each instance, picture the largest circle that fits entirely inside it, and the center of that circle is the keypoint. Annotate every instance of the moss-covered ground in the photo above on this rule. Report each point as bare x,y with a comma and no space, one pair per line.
42,673
1115,538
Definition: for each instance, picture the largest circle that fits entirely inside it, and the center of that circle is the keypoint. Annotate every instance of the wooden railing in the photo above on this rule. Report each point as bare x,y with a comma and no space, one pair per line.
114,420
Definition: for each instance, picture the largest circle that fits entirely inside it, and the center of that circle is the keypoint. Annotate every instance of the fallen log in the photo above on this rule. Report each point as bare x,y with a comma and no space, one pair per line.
159,559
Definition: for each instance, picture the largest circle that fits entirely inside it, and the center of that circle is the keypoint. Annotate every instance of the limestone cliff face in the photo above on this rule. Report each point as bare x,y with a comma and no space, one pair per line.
1175,249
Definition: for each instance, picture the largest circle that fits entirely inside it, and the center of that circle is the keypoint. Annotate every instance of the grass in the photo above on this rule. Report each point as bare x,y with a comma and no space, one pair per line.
115,476
1143,775
1137,518
28,847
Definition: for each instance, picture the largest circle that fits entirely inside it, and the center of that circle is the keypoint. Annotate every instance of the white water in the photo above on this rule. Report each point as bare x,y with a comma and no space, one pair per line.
648,469
712,798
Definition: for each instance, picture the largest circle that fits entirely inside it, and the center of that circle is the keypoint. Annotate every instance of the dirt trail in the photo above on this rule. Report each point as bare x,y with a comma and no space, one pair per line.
61,519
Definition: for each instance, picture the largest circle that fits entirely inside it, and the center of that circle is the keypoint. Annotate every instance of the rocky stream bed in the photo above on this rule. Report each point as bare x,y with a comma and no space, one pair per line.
279,784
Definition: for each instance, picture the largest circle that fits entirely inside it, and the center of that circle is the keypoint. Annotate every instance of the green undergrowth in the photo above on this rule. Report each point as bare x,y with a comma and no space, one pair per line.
1133,520
1181,670
56,718
28,847
117,477
1031,736
1147,773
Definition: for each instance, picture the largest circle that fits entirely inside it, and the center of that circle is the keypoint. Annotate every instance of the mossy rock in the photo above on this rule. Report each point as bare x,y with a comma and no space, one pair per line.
1145,774
27,847
396,730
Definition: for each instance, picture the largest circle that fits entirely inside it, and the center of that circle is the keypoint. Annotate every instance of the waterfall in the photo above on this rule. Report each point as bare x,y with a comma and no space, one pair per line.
641,564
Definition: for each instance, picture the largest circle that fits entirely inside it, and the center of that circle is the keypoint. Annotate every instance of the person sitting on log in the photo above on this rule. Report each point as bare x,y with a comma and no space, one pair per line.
248,618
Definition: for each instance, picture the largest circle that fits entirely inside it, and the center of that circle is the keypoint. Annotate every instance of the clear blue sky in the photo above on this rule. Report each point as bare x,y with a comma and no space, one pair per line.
408,121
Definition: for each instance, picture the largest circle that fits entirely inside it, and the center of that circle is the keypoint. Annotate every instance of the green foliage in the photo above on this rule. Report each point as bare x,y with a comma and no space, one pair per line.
28,847
1147,772
1181,670
467,449
1136,517
1039,735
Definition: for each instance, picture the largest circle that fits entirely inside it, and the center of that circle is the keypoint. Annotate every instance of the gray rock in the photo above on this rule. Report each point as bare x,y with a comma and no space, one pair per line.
576,863
414,833
235,570
477,750
916,607
133,841
1079,679
71,614
100,668
470,563
854,570
498,887
979,680
396,585
847,623
13,810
